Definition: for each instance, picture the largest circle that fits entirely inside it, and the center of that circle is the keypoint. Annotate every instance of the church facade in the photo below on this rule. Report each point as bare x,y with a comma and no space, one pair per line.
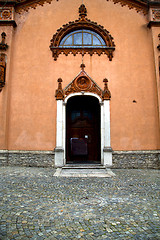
80,83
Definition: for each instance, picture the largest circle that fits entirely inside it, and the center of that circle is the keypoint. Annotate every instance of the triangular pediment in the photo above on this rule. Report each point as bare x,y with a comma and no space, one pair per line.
82,83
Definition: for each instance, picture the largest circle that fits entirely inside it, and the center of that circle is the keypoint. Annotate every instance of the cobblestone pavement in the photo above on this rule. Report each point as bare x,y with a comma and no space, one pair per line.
37,205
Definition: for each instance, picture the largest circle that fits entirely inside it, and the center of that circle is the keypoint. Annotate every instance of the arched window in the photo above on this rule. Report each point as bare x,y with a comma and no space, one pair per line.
82,36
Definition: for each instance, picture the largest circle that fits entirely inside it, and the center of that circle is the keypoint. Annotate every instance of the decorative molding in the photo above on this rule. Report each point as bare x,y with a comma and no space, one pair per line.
2,70
8,23
59,92
7,16
106,93
3,45
25,5
82,23
139,6
153,24
82,83
6,13
156,14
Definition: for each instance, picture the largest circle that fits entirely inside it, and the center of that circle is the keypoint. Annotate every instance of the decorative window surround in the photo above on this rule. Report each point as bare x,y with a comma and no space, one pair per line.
82,23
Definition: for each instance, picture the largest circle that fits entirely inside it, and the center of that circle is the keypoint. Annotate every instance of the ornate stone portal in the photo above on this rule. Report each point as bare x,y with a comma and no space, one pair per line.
83,85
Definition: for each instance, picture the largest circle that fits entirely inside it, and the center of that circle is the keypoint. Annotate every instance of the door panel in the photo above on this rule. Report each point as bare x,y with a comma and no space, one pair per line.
83,130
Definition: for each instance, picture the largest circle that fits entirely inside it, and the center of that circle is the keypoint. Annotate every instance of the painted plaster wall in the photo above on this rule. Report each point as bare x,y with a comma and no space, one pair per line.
131,74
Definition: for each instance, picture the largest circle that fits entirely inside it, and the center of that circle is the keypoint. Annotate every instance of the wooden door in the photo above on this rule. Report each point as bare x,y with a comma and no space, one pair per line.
83,130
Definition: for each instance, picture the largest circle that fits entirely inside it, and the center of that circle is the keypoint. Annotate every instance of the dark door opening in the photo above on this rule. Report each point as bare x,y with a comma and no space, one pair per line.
83,130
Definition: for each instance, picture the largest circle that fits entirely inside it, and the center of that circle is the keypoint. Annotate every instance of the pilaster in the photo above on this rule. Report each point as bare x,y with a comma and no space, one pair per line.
59,150
154,26
7,25
107,150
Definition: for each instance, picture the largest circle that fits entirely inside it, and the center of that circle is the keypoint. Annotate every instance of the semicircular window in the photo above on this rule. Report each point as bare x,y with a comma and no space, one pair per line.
82,38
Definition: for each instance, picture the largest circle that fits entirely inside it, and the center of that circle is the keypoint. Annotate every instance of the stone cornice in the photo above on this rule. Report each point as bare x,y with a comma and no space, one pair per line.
153,24
138,5
25,5
8,23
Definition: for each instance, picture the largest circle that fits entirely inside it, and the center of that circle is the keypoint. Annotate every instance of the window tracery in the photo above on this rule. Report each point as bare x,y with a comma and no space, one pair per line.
82,38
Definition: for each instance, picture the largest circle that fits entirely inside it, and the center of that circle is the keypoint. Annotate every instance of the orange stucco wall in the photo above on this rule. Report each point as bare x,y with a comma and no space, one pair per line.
31,103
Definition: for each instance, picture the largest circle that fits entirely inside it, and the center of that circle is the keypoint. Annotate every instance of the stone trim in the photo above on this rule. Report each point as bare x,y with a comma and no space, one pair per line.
146,159
60,150
136,159
153,24
8,23
27,158
137,151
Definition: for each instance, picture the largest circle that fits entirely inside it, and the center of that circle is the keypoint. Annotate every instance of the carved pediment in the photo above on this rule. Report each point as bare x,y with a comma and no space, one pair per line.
82,83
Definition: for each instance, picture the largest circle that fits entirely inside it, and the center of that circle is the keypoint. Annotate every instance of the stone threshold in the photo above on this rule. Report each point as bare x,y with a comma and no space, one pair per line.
84,166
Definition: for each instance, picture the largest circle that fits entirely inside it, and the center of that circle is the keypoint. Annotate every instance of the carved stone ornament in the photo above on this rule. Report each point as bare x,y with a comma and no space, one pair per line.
156,15
3,45
82,23
139,6
6,13
82,83
25,5
106,93
59,92
2,70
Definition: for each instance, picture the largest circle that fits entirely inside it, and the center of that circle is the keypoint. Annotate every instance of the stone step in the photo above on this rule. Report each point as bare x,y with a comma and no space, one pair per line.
84,166
83,172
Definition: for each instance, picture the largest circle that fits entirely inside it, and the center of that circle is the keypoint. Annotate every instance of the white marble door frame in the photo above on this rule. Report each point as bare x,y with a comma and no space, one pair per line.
60,150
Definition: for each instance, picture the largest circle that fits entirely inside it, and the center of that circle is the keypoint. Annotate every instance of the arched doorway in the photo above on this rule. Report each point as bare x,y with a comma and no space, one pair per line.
83,141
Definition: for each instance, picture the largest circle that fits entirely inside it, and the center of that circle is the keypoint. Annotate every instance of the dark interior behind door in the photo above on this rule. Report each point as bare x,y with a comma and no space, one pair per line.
83,130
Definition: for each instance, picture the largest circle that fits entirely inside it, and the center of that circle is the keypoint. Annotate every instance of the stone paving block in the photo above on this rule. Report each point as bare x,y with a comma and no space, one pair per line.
37,205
